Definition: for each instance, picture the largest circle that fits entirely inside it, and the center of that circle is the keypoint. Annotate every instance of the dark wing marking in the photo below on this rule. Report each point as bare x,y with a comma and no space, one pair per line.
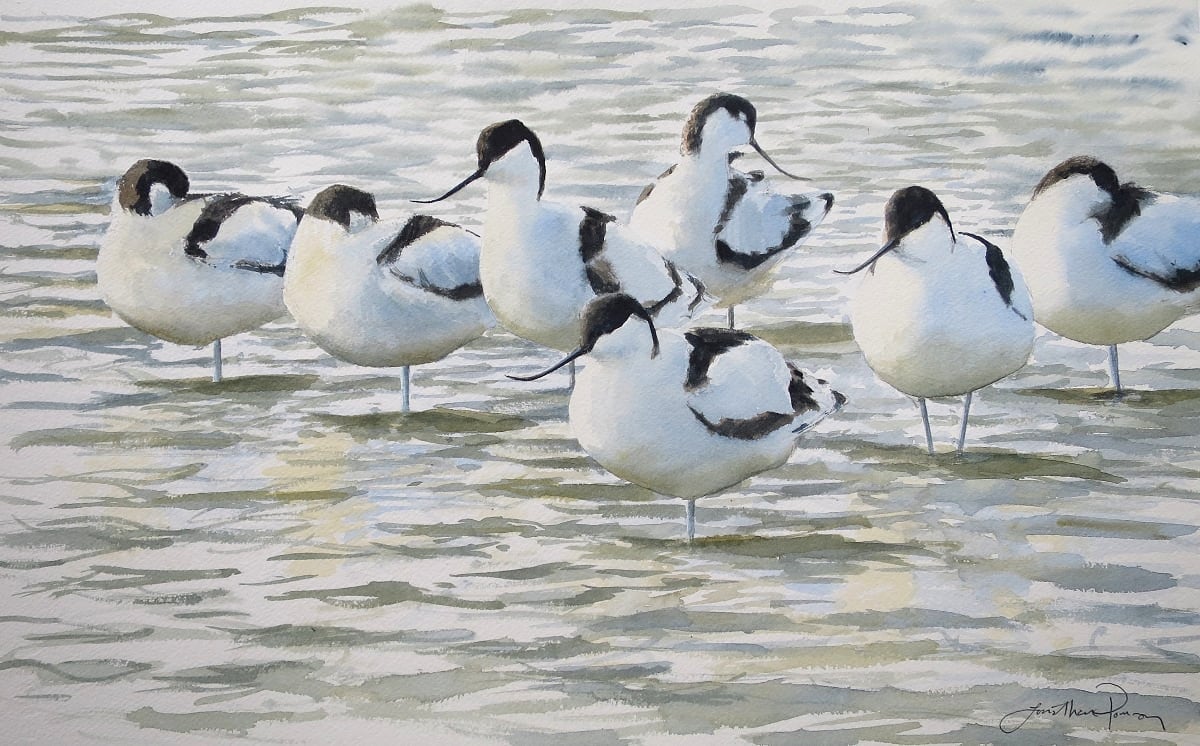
698,298
592,231
738,186
765,423
705,345
417,227
601,277
458,292
798,225
1126,205
265,269
1181,281
998,270
800,392
751,428
219,209
650,187
676,291
1000,273
1001,276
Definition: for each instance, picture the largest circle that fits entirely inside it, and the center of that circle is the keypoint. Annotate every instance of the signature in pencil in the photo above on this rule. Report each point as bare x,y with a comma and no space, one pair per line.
1118,701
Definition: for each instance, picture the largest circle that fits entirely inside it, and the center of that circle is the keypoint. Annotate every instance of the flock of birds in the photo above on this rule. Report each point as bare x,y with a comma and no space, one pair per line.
686,413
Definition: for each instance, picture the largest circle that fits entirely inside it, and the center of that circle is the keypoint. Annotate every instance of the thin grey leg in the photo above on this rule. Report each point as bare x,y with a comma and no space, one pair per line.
1114,372
691,520
217,361
962,430
731,317
925,419
405,387
571,374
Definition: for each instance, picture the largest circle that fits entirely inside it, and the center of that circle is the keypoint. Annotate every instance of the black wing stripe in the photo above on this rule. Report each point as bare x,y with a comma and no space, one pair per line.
1181,281
1000,272
751,428
698,298
1126,205
798,225
259,267
592,230
800,392
706,344
675,294
601,277
417,227
219,209
738,187
464,291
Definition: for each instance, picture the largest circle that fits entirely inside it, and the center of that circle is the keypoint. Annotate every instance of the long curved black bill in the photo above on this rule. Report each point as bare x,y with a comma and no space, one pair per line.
454,190
874,257
758,149
579,352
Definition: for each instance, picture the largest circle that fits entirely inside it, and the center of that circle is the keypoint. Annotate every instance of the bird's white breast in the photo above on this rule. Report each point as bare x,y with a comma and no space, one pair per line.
937,326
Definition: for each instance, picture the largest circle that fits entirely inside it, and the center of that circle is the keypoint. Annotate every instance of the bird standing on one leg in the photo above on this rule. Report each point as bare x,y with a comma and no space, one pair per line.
1108,263
383,294
193,268
689,413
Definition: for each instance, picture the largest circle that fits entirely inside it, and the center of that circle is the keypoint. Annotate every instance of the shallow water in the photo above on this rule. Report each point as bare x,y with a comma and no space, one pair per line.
285,557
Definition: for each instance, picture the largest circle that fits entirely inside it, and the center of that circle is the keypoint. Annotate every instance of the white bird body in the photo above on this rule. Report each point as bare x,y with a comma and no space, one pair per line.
541,261
535,284
690,413
1108,292
161,272
369,294
938,315
633,415
930,321
727,227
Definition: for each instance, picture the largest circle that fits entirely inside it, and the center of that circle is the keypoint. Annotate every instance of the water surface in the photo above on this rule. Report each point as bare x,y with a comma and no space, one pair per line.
285,557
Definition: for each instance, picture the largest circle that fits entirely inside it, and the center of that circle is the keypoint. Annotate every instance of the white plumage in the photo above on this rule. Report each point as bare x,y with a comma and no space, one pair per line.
541,261
1108,263
939,314
728,227
397,293
686,414
192,269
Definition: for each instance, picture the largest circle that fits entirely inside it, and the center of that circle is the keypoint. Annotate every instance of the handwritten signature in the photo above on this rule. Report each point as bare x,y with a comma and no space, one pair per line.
1118,700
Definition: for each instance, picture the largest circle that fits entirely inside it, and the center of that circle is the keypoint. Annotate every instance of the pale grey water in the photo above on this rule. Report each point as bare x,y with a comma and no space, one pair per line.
285,558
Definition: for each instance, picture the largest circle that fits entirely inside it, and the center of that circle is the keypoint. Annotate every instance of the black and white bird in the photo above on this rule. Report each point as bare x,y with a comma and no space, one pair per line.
1108,263
193,268
937,315
689,413
383,294
730,228
542,261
